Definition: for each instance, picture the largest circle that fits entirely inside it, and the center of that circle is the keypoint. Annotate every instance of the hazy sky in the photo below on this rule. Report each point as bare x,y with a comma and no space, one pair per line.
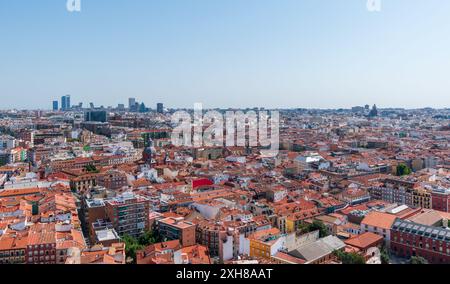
226,53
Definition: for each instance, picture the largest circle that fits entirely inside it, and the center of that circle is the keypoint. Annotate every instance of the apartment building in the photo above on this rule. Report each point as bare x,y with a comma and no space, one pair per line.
128,213
402,192
266,243
440,199
178,229
412,239
378,223
13,249
112,179
41,248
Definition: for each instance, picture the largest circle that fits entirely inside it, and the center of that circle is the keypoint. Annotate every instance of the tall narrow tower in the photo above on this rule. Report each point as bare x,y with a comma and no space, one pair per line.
149,151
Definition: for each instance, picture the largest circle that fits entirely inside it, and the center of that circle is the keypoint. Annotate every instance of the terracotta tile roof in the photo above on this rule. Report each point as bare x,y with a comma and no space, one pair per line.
196,254
379,219
364,241
22,191
284,257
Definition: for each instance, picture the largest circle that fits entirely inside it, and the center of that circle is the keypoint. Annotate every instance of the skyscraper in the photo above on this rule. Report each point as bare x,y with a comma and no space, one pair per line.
68,105
142,108
374,111
55,105
160,108
131,103
65,102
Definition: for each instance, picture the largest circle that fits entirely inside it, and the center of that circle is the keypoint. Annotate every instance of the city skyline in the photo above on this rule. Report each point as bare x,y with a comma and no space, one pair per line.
239,54
224,139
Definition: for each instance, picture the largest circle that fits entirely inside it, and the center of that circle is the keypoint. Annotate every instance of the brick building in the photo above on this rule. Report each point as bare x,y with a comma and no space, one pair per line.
178,229
41,248
412,239
112,179
440,199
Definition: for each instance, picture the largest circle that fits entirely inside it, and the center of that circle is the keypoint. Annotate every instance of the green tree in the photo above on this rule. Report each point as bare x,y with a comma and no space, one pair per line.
403,170
418,260
131,247
384,256
132,244
91,169
149,237
349,258
318,225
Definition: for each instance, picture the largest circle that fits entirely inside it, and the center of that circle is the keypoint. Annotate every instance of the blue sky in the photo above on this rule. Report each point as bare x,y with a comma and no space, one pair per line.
226,53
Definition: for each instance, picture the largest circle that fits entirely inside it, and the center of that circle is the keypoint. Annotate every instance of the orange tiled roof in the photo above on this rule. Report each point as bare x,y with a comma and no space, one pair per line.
21,191
379,219
364,241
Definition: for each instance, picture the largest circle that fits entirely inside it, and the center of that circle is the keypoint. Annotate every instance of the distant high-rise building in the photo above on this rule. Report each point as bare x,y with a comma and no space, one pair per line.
374,111
160,108
68,105
65,102
142,108
96,115
121,107
131,103
55,105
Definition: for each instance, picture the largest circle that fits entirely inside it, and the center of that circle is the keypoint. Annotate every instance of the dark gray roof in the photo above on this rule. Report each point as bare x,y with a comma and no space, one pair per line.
437,233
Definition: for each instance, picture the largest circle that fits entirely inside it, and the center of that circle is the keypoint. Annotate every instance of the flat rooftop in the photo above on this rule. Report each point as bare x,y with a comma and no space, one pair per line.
107,235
